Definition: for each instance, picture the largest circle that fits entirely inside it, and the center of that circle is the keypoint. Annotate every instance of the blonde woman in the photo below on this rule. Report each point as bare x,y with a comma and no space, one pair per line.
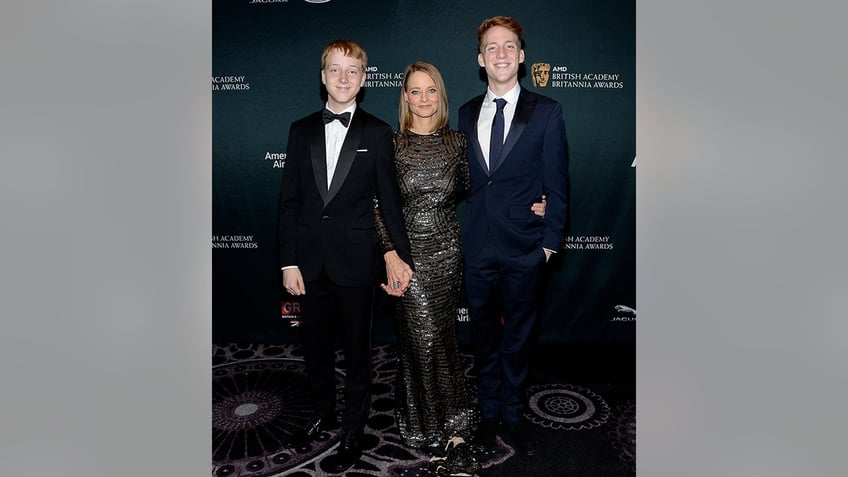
434,410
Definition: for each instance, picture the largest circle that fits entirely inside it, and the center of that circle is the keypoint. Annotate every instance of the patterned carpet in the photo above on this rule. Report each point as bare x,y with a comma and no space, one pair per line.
259,397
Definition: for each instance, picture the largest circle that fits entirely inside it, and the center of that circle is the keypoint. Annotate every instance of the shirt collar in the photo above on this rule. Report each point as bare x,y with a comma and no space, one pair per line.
511,96
350,108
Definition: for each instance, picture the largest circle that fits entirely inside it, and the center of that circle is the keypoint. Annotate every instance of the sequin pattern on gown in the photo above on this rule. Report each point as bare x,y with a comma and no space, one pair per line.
432,399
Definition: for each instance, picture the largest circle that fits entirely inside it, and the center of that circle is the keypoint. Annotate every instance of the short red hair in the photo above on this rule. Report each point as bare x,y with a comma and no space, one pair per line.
507,22
348,48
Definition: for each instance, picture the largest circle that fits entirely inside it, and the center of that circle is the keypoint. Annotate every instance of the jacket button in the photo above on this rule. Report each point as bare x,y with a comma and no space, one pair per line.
325,217
489,183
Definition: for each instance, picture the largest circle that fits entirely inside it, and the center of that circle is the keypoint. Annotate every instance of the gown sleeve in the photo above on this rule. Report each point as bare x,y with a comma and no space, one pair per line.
380,226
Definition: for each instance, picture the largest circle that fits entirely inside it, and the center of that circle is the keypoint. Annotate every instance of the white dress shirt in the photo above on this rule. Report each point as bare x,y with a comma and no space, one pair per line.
335,133
487,116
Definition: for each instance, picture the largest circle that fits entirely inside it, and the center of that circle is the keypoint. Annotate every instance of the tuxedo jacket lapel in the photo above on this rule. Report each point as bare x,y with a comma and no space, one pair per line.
523,110
319,158
346,156
473,139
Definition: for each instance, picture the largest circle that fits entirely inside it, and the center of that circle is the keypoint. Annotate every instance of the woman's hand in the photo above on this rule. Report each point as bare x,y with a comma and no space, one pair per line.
398,273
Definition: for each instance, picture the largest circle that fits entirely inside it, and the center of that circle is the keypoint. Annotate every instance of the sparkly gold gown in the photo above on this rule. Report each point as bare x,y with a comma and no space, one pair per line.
432,399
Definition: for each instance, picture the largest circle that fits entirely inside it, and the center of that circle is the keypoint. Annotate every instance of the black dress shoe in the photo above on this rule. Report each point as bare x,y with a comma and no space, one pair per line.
311,431
486,433
527,446
348,453
436,449
523,438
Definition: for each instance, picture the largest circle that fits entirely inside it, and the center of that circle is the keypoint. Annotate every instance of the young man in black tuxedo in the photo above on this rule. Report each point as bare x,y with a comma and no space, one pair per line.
337,161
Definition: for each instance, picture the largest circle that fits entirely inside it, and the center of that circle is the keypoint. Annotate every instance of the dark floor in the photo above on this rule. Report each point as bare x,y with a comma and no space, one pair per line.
581,400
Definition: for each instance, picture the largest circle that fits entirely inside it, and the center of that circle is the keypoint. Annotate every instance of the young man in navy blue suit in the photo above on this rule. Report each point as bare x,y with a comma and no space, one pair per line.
337,161
517,152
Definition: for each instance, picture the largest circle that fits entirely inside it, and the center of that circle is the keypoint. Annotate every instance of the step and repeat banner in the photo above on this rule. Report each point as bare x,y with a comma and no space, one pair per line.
266,73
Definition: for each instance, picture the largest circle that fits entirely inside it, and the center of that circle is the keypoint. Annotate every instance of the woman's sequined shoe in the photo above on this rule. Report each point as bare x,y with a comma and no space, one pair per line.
458,460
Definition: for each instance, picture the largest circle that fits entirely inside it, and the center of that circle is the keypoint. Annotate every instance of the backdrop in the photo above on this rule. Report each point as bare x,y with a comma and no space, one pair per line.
266,74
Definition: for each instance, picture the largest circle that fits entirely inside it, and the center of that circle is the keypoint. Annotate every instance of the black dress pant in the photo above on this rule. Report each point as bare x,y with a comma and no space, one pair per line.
329,310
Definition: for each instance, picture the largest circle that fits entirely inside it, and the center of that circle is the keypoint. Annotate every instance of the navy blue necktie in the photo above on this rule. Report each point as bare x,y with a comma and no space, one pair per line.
496,141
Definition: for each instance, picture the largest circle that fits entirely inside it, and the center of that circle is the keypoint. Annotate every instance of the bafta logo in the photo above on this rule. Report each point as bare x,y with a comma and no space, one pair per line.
541,74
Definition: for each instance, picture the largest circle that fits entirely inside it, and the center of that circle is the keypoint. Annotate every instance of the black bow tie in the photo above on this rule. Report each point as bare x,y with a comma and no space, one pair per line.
330,116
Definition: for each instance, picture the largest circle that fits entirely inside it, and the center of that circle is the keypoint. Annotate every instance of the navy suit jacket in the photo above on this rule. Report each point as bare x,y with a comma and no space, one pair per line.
333,227
533,161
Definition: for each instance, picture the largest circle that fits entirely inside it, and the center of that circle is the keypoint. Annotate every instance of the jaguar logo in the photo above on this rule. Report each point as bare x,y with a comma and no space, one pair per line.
625,309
